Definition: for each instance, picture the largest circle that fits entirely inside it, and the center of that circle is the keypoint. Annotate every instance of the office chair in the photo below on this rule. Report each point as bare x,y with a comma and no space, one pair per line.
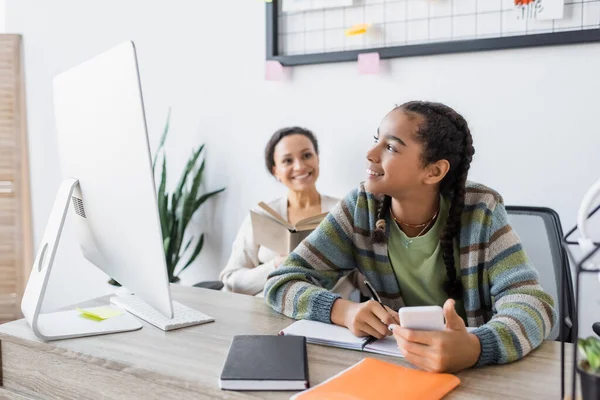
541,233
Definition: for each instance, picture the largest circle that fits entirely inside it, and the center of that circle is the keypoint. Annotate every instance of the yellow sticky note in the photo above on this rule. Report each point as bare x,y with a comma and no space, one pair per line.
268,1
357,29
100,313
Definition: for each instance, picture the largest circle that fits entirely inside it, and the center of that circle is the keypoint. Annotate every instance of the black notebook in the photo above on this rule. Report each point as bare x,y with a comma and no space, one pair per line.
264,362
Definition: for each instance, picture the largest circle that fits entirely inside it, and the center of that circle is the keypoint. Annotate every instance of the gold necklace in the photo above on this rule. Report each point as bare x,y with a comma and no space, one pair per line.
414,225
408,241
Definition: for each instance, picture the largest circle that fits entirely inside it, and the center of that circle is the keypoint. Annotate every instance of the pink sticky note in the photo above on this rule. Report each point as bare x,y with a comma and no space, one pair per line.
368,63
273,71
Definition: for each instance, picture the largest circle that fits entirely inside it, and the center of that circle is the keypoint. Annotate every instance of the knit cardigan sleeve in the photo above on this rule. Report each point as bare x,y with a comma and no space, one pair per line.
523,314
300,287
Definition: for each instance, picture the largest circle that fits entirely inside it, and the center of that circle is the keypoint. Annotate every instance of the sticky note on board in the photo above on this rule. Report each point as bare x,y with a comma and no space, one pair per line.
368,63
268,1
274,71
358,29
100,313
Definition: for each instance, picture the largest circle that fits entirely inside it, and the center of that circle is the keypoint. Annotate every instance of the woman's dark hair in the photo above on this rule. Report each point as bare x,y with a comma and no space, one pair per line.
445,135
280,134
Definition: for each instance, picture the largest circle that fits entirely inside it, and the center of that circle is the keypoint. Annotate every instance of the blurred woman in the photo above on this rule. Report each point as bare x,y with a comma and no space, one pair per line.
292,157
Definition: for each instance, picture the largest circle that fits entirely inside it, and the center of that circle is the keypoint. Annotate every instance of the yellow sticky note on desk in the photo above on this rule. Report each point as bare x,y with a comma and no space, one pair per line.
100,313
357,29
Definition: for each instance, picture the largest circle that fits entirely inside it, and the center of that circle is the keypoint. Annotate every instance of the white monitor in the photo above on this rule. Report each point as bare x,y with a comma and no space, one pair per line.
109,184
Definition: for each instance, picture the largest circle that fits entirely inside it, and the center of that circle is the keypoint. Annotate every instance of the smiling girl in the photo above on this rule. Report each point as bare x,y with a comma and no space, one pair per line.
422,234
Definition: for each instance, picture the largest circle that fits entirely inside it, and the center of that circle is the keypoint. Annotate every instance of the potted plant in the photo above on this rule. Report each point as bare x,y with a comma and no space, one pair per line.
176,209
589,367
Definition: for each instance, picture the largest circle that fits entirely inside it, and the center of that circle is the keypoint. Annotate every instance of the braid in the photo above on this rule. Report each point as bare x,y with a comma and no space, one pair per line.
446,135
451,231
378,235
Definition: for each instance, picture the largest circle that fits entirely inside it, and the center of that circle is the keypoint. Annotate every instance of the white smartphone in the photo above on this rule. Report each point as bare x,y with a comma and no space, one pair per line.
423,318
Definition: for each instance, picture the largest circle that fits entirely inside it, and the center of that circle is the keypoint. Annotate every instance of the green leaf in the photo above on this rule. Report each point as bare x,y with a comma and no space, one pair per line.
162,139
581,346
163,206
181,226
180,188
187,245
168,218
173,229
594,361
189,200
194,254
593,350
589,349
171,255
205,197
594,343
166,242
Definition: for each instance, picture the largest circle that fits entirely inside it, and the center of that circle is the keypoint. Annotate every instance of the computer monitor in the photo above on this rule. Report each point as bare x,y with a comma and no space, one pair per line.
109,185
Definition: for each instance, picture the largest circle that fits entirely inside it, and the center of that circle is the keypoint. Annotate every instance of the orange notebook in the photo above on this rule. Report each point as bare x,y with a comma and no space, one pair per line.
372,379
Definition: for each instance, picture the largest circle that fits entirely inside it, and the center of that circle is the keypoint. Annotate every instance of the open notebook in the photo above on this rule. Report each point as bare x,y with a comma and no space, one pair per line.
337,336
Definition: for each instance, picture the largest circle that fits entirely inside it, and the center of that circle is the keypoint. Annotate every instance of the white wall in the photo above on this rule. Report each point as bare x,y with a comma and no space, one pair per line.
2,16
533,112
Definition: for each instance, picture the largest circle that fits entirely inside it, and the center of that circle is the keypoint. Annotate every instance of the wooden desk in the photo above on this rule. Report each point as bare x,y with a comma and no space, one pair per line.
187,363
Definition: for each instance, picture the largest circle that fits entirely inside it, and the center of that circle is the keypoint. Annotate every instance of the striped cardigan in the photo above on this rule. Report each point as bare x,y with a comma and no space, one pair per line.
502,297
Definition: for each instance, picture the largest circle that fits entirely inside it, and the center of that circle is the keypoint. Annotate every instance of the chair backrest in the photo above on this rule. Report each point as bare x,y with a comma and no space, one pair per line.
541,233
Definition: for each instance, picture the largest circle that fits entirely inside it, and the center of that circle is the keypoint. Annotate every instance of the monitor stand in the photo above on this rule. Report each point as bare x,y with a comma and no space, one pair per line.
64,324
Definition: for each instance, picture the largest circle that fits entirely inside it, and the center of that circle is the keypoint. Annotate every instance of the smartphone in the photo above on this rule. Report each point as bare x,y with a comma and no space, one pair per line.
422,318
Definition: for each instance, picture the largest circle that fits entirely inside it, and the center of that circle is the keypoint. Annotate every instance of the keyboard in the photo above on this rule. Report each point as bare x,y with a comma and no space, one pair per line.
182,316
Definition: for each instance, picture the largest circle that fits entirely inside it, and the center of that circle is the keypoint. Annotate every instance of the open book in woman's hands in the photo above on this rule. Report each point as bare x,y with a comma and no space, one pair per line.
272,231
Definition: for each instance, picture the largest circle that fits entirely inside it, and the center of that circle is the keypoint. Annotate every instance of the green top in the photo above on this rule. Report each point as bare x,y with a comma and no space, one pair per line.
419,265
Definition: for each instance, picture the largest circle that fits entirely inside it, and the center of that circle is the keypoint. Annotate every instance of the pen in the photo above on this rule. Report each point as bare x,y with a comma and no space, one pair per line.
375,295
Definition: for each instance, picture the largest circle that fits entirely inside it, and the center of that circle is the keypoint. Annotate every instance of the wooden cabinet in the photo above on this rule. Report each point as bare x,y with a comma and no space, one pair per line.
15,206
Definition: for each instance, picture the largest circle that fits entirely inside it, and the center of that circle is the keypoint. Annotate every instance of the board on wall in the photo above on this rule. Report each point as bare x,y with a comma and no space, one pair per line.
314,34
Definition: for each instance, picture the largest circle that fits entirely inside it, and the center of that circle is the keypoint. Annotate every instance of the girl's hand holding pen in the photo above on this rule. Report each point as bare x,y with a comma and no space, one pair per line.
364,319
